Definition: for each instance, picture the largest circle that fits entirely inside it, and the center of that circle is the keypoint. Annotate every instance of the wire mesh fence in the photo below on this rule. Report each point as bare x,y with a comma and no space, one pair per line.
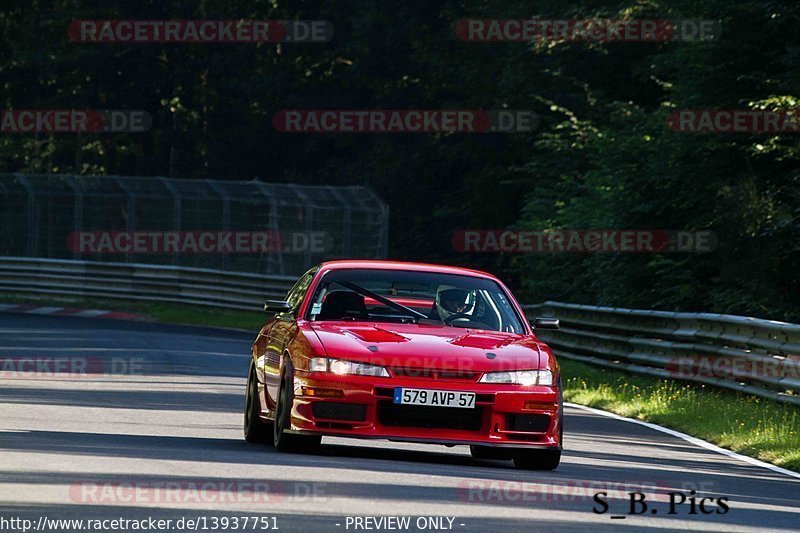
245,226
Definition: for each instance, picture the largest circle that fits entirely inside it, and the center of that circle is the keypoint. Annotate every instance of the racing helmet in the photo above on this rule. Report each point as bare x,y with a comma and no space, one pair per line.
452,300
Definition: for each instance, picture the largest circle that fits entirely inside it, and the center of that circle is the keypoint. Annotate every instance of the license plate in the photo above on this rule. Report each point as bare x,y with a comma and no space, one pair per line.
434,398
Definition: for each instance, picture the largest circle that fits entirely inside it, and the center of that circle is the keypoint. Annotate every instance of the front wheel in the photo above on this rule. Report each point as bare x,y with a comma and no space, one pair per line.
283,441
255,429
537,459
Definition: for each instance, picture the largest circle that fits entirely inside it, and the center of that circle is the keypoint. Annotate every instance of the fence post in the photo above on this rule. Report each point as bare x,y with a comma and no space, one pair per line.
226,215
176,211
33,215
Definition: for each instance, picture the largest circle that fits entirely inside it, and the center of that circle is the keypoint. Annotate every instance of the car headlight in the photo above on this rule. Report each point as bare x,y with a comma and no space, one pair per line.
519,377
342,368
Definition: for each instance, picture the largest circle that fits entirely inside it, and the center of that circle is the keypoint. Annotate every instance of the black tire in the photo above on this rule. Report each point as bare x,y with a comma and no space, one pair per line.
537,459
490,452
283,441
255,429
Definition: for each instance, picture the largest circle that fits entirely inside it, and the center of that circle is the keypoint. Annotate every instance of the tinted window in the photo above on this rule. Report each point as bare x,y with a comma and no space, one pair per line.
388,295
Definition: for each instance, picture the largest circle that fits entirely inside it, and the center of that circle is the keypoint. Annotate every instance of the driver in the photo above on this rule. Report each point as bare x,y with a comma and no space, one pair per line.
450,301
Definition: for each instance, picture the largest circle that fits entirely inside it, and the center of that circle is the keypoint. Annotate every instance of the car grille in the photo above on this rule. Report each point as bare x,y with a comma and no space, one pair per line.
421,416
354,412
429,373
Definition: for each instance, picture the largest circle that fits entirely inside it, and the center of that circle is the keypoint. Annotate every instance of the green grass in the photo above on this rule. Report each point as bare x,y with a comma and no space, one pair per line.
753,426
201,316
161,312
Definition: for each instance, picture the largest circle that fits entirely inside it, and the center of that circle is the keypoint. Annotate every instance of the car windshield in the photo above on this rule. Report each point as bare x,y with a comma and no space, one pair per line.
407,296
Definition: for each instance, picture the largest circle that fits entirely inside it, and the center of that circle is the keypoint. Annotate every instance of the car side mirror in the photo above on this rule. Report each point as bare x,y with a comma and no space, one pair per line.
277,306
546,323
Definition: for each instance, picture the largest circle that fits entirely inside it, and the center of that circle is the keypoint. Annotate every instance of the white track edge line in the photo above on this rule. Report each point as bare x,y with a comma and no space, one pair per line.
688,438
42,310
91,313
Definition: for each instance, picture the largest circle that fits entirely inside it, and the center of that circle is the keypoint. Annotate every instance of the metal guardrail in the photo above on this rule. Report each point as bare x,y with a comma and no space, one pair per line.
152,283
755,356
758,357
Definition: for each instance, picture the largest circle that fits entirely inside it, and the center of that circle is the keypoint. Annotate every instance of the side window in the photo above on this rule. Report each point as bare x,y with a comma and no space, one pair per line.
298,292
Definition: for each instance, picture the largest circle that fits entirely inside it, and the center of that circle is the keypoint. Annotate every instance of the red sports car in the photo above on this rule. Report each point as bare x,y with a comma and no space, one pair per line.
405,352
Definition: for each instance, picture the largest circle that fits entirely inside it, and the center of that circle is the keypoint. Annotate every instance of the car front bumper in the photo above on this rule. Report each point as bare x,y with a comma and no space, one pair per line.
362,407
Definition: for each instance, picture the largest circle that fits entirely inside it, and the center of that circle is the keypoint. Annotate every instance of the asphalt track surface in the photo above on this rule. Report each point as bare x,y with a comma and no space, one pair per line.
163,439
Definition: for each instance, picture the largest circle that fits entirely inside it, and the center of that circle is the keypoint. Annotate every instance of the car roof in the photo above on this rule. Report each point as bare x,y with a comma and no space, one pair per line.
403,265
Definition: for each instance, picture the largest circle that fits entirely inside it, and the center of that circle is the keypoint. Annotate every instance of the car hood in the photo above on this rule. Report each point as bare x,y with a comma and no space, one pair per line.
435,347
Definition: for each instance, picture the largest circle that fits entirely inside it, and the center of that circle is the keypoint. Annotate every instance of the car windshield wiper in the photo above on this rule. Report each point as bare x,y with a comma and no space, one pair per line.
385,301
